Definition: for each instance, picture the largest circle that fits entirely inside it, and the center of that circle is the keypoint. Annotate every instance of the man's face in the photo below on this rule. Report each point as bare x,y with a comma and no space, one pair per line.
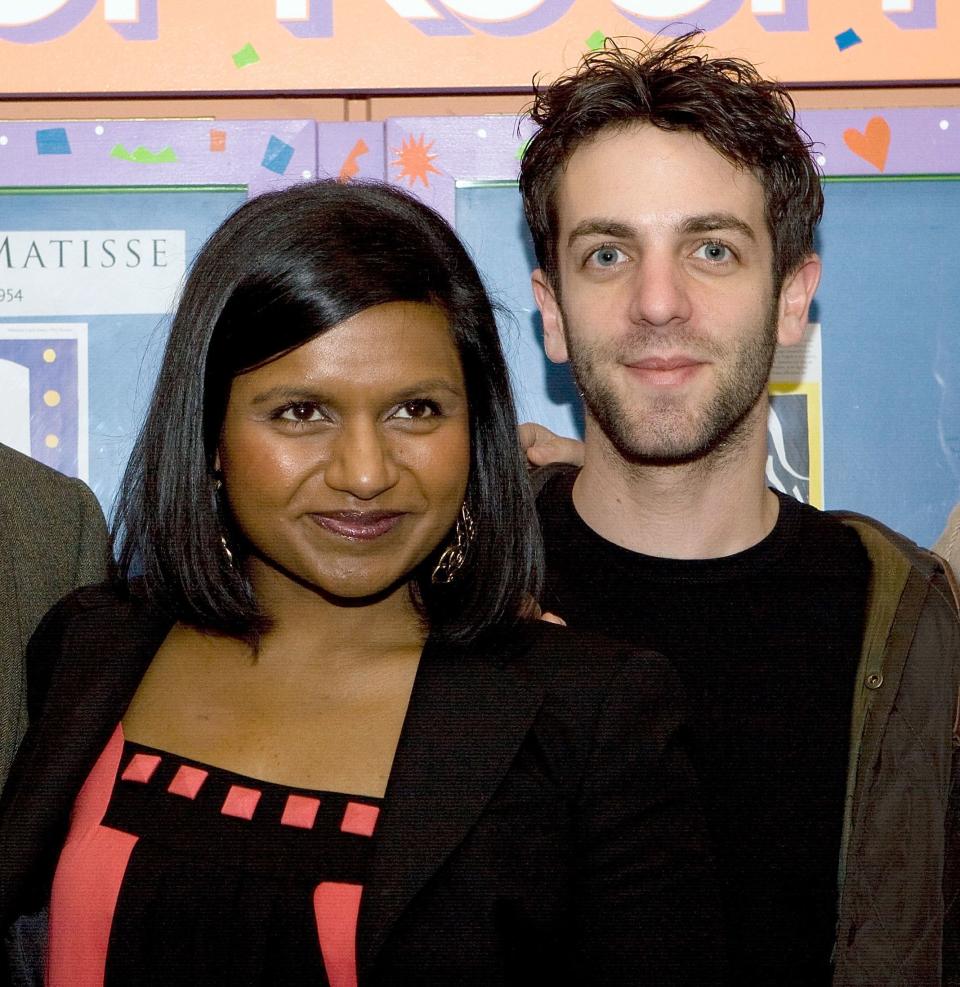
666,307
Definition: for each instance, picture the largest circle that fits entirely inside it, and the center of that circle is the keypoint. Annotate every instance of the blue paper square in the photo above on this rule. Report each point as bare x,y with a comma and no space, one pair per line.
847,39
277,155
53,141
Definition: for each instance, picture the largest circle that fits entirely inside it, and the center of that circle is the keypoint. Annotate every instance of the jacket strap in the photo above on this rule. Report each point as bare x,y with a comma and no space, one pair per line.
889,572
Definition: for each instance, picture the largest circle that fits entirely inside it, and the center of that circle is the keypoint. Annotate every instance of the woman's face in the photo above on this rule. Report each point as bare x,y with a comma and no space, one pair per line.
345,461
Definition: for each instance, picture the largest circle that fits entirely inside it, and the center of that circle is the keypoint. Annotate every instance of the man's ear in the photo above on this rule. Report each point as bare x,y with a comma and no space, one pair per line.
554,339
795,297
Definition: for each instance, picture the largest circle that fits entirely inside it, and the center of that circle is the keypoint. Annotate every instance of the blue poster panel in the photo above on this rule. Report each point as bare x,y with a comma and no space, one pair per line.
89,277
99,223
889,440
889,304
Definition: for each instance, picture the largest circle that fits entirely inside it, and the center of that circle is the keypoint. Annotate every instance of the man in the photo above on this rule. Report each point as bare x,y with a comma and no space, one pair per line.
673,203
52,539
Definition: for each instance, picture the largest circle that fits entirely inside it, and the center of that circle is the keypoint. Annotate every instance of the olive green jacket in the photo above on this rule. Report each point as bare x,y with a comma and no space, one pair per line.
899,877
52,539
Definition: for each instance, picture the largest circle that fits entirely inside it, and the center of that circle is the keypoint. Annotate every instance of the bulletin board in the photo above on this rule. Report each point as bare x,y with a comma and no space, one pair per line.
866,413
99,223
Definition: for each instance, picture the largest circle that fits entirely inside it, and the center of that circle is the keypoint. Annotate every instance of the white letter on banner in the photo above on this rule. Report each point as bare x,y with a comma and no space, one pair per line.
781,15
676,17
314,18
17,13
911,14
32,21
493,10
499,17
509,18
306,18
134,20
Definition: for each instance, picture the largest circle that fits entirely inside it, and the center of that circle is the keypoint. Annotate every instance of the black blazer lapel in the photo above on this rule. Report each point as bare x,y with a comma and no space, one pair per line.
468,715
100,660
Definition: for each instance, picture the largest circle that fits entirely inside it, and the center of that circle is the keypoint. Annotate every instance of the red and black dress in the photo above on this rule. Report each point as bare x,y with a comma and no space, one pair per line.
177,872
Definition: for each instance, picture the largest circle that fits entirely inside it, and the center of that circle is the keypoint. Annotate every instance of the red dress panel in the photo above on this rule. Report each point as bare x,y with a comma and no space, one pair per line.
176,872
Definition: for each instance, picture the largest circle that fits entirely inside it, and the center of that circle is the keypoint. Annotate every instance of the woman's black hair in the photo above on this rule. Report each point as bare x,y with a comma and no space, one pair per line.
284,268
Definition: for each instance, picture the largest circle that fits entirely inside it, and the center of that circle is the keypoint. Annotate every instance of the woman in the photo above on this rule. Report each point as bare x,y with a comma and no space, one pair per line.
316,740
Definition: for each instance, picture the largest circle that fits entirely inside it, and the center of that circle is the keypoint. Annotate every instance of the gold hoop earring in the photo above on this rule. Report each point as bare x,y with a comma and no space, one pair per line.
226,550
455,554
217,488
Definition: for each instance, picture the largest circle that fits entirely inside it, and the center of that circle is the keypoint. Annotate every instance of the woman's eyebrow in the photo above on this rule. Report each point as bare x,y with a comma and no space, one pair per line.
284,392
287,393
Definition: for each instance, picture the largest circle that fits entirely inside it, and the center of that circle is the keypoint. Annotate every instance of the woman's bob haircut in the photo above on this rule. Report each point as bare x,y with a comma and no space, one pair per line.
284,268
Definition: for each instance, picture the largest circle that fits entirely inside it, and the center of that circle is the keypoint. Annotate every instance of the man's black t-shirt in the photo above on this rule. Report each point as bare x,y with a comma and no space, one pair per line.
767,643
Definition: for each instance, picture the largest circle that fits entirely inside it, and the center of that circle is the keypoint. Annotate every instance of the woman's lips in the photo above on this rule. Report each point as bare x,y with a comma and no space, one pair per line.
358,525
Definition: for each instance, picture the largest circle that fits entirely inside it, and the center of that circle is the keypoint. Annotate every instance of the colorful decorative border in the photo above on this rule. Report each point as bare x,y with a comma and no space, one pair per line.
350,151
430,155
427,155
258,154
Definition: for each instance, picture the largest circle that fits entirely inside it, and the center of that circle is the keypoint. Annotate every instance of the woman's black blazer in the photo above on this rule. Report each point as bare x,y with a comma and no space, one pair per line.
540,824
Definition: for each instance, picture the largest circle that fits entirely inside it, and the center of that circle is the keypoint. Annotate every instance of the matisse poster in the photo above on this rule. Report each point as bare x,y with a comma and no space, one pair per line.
89,277
99,271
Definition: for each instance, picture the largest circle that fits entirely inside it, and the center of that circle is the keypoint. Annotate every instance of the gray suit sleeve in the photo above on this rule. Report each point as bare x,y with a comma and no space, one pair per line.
93,551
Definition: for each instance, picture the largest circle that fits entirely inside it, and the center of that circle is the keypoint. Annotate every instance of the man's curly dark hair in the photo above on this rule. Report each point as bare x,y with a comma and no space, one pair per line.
750,120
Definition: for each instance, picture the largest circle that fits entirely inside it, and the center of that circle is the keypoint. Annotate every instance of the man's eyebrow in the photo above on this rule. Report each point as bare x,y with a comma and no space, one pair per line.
600,227
705,223
714,221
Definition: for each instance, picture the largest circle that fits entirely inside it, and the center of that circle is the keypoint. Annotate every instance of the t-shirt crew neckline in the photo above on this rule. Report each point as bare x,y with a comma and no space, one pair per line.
782,540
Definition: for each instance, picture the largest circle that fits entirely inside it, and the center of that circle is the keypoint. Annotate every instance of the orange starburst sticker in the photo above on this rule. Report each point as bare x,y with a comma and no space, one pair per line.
414,160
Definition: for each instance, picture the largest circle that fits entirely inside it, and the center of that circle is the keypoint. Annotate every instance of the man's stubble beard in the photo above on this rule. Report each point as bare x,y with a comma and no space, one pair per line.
668,431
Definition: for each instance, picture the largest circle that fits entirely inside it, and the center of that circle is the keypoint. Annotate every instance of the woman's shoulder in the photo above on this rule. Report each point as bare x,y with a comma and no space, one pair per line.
571,645
101,601
85,632
92,612
607,712
586,663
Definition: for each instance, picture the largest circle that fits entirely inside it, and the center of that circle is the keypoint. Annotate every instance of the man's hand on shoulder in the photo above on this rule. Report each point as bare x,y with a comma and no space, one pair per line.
543,446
